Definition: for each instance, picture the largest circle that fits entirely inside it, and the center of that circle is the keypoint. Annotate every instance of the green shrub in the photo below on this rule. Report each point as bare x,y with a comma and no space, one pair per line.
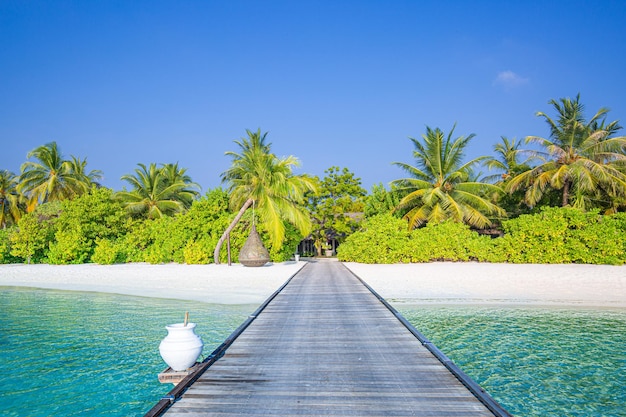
554,235
92,216
197,253
563,235
289,247
5,248
382,239
31,239
108,252
447,241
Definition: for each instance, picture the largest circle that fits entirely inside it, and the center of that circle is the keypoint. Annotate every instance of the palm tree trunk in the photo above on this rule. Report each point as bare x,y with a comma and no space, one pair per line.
231,226
565,200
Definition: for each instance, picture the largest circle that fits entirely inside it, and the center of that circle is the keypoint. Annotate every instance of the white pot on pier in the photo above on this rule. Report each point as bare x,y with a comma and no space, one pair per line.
181,347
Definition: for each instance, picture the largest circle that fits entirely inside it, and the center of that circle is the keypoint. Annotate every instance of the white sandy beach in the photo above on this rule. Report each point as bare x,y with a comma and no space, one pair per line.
485,283
220,284
431,283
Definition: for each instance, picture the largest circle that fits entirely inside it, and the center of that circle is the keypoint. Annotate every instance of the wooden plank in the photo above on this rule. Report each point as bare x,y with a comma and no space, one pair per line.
326,346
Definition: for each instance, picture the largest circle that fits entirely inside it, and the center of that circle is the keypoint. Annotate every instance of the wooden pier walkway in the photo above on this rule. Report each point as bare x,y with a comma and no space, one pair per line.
326,345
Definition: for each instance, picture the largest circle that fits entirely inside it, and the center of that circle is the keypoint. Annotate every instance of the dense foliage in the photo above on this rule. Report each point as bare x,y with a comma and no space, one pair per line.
96,228
30,239
259,179
554,235
563,200
336,207
82,223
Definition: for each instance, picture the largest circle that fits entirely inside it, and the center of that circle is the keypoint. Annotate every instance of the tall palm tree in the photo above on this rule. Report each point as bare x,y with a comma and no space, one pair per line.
10,211
52,178
174,175
48,178
155,193
581,159
259,177
84,180
440,186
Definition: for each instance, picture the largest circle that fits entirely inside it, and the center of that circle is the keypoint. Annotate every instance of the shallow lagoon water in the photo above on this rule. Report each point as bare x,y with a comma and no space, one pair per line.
74,353
535,361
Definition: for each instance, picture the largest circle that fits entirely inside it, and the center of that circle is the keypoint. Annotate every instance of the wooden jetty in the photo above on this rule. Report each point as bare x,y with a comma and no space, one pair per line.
326,344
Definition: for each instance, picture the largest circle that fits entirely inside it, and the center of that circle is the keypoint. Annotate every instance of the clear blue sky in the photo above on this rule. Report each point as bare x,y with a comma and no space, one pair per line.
333,82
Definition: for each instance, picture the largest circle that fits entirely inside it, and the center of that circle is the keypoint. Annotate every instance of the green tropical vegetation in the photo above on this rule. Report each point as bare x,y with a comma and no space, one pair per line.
441,186
335,208
50,177
558,199
381,201
158,191
10,211
554,235
582,159
257,178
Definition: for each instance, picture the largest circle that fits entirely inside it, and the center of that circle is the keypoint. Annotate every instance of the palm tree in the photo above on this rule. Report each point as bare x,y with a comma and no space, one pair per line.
440,186
174,175
10,211
581,158
156,193
259,177
51,178
85,180
506,162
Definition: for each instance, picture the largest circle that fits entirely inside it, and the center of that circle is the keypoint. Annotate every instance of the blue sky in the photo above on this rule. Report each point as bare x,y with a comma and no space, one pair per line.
333,82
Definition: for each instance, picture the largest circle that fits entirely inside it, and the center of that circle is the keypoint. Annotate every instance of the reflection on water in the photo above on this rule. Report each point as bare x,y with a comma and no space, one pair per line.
73,353
535,361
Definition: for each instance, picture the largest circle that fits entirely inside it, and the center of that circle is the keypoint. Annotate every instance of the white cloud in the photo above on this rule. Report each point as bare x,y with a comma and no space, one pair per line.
509,79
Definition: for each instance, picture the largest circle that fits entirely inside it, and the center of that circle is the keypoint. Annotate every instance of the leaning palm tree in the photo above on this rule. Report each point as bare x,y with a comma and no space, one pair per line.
440,186
47,178
10,211
258,177
581,159
154,194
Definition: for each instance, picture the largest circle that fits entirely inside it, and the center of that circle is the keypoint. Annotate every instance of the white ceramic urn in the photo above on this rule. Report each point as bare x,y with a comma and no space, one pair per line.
181,347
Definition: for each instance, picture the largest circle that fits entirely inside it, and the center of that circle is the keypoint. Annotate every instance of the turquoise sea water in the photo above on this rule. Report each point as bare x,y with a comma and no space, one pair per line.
536,361
73,353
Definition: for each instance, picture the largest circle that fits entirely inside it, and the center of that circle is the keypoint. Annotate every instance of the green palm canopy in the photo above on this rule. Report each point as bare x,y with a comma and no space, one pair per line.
440,186
158,191
9,199
51,178
580,158
257,176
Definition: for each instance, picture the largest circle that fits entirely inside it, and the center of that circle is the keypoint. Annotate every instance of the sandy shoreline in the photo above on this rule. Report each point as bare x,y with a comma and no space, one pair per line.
218,284
485,283
432,283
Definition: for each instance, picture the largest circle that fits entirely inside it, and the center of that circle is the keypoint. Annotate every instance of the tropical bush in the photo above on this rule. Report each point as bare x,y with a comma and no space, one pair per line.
84,220
555,235
30,240
563,235
108,252
382,239
189,237
5,248
447,241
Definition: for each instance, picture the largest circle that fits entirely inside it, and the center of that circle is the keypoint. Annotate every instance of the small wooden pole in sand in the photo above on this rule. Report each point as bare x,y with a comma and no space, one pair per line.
228,248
